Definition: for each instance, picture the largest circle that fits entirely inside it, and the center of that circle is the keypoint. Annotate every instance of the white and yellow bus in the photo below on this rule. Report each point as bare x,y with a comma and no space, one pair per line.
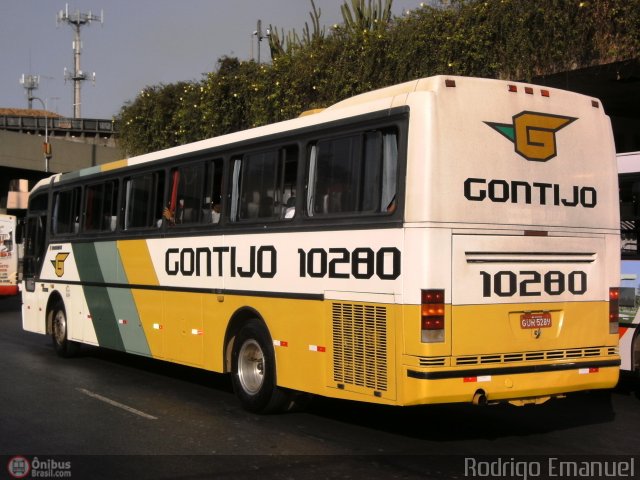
629,178
9,256
448,239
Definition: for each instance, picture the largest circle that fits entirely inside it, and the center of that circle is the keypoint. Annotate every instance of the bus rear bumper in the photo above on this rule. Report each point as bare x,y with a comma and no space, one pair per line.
516,384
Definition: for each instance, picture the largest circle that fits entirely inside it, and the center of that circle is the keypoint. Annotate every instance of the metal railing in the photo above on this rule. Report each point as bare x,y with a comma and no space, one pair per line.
59,126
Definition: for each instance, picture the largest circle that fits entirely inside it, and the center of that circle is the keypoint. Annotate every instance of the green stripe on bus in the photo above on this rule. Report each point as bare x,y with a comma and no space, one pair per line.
100,306
122,300
131,332
109,263
80,173
65,177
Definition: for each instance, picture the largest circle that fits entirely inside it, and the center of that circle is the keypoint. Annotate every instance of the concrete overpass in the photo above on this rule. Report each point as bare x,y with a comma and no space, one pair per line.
75,144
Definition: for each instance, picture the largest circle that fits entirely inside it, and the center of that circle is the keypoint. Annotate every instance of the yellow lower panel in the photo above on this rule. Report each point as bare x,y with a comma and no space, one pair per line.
490,329
149,305
183,332
300,340
353,350
417,391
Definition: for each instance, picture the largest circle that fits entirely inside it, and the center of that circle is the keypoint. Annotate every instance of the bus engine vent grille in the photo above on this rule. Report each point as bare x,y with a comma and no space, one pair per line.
432,361
360,345
572,353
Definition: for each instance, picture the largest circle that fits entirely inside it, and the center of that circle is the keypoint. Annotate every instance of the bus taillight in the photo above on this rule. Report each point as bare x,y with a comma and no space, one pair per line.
432,316
614,314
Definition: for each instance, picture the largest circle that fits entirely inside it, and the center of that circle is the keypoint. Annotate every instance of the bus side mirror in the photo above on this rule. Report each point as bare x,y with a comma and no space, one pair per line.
30,284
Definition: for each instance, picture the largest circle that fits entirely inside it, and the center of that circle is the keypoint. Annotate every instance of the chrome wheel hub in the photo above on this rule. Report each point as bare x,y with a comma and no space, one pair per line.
251,367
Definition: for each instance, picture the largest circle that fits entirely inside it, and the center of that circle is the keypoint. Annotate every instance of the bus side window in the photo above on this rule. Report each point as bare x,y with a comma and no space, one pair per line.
34,240
212,206
100,207
353,174
66,212
186,194
287,181
143,200
388,193
257,185
264,185
338,168
629,216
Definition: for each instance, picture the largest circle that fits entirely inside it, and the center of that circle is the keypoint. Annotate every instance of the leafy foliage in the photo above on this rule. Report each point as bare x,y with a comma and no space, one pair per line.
514,39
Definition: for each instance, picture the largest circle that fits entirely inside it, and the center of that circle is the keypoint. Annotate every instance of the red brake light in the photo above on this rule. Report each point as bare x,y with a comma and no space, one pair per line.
432,313
433,296
614,313
614,294
435,323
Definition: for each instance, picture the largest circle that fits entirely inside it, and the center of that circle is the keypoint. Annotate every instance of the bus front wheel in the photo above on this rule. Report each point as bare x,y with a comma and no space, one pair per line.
254,372
59,332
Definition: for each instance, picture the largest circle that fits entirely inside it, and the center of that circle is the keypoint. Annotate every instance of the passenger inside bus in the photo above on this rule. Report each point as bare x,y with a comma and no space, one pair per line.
290,208
179,216
211,213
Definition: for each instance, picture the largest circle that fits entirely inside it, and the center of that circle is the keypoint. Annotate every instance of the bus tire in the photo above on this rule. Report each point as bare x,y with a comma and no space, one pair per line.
59,333
253,373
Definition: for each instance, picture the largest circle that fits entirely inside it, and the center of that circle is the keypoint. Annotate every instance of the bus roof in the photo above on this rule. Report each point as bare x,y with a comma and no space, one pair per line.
376,100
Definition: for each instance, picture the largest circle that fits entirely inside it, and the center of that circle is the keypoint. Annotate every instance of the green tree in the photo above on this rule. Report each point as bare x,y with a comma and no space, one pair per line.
509,39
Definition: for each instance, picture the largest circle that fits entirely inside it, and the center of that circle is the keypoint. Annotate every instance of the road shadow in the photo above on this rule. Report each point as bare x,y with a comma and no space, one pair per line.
10,304
448,422
459,422
629,384
192,375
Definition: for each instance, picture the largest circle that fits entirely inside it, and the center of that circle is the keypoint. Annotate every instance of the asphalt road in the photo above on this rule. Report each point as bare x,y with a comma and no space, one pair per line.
119,416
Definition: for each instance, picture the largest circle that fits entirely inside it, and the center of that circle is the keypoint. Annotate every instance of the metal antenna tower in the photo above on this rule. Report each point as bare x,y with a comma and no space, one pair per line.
30,83
77,20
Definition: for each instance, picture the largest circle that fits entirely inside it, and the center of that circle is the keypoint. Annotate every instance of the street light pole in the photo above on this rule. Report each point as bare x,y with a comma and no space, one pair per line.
46,147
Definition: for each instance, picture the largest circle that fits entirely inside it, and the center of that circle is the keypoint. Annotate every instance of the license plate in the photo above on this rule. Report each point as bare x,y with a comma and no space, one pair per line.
535,320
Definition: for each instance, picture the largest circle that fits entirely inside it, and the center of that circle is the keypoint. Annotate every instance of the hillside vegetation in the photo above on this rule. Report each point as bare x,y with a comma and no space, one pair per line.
508,39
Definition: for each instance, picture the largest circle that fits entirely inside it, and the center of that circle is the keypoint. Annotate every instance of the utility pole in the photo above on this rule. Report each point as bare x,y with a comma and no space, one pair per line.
76,21
259,36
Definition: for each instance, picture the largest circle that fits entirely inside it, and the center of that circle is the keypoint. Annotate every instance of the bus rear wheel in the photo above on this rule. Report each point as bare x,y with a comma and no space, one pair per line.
254,372
59,332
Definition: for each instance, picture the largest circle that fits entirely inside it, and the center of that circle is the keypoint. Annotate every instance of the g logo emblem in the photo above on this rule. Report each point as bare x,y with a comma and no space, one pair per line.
533,134
58,263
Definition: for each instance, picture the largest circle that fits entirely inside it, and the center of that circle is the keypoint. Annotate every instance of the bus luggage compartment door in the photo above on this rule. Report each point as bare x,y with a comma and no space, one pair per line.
527,293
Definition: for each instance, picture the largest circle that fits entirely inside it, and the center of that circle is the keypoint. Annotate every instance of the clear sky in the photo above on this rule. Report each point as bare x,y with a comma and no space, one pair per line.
141,43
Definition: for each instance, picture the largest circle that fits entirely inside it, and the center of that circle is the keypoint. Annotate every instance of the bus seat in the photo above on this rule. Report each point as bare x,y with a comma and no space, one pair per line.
253,207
